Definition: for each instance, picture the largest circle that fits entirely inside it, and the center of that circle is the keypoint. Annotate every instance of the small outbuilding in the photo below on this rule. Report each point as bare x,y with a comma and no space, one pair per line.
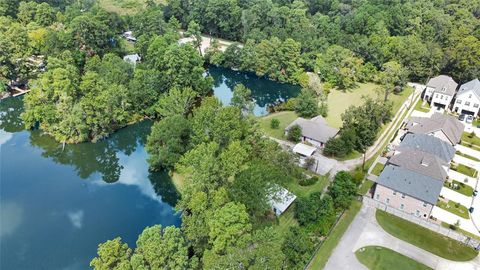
128,35
281,200
304,150
132,58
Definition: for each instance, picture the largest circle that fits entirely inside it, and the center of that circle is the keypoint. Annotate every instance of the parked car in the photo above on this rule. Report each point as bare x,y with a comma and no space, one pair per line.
469,119
470,209
461,117
475,192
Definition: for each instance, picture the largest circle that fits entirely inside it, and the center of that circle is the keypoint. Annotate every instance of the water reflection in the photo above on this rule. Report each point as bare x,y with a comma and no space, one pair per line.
264,92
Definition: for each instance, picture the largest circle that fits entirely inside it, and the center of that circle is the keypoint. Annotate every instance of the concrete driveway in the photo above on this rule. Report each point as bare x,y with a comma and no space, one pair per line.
365,231
450,218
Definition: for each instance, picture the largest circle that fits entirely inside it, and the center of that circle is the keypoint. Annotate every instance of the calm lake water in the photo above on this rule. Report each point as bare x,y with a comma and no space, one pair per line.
57,205
264,92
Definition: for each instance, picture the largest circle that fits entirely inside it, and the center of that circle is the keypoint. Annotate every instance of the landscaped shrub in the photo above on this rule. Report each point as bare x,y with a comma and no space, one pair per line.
308,181
294,133
274,123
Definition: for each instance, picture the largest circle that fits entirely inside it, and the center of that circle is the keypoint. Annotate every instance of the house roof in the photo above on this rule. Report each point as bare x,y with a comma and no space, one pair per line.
133,58
473,85
304,149
443,84
448,124
282,199
414,184
428,144
315,128
420,162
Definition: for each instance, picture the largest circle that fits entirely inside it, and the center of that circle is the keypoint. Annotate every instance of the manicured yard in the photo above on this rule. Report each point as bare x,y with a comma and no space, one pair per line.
304,191
380,258
326,249
467,156
423,238
286,220
467,139
285,119
454,208
425,108
469,234
464,169
459,187
378,169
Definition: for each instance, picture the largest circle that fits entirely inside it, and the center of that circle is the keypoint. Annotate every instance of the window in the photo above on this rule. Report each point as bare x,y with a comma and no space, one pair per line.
467,103
402,206
403,196
475,105
424,204
470,96
378,196
387,201
459,101
417,213
436,95
394,193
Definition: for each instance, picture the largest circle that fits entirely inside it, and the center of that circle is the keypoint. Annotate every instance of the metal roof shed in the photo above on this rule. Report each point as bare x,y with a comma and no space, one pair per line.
304,150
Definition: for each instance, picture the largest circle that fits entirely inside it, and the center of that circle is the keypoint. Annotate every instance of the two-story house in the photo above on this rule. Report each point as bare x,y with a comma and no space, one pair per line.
444,127
468,98
440,91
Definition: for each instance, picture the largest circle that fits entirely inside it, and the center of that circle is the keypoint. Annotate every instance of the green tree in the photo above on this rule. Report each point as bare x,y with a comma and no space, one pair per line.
392,75
229,226
297,248
294,133
465,59
113,254
161,248
242,98
342,190
307,104
194,31
168,141
339,67
176,101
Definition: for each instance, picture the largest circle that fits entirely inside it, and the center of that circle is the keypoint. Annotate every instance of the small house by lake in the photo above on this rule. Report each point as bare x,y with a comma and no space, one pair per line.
315,131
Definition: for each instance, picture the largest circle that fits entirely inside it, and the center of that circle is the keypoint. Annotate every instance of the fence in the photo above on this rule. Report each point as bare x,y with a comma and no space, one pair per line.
472,242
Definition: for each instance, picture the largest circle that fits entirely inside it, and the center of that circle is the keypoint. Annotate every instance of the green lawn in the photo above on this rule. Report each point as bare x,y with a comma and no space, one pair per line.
423,238
326,249
365,187
339,101
454,208
378,169
464,169
459,187
469,234
304,191
286,220
285,119
380,258
352,155
420,108
467,139
467,156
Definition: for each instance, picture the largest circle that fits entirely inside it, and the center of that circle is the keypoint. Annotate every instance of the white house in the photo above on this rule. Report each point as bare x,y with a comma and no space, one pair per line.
468,98
439,91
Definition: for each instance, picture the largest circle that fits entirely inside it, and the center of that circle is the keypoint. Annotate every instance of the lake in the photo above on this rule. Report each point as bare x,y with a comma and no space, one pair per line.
57,204
264,92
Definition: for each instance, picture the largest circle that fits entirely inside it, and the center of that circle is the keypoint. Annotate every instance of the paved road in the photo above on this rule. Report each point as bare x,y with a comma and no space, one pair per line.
365,231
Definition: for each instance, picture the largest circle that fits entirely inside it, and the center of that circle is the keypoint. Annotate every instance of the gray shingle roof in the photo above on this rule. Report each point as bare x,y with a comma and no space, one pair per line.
471,85
315,128
443,84
420,162
417,185
428,144
448,124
